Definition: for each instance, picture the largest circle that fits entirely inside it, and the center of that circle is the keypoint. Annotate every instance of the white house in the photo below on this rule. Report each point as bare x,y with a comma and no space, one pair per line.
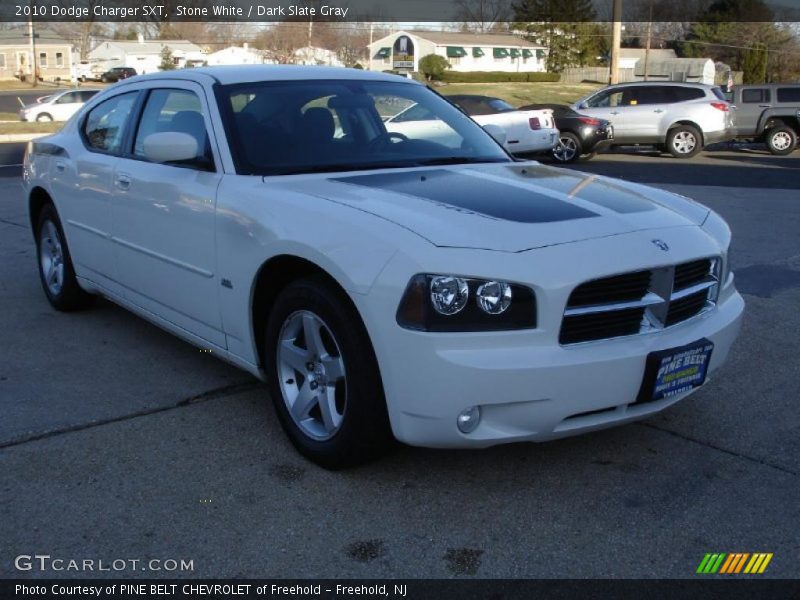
314,55
402,50
145,55
238,55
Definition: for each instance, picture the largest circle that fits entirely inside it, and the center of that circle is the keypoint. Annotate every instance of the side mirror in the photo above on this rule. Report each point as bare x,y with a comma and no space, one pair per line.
583,106
169,146
497,132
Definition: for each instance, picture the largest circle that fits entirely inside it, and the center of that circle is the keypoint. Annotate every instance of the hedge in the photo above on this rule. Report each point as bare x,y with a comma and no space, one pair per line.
498,77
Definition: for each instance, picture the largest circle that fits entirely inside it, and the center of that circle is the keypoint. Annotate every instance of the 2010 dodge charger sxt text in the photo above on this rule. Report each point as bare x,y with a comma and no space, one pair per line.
385,286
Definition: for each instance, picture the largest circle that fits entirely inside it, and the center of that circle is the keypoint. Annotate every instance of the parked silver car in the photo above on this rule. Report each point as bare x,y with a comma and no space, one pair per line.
682,118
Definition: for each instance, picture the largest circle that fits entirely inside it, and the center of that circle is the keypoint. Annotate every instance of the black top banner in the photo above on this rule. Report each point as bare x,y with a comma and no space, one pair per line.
397,11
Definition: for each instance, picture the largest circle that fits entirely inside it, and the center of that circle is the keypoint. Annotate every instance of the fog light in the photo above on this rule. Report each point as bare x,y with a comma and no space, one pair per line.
469,419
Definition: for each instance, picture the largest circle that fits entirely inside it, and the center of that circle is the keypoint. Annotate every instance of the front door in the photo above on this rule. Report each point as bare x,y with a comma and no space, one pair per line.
606,104
164,217
751,105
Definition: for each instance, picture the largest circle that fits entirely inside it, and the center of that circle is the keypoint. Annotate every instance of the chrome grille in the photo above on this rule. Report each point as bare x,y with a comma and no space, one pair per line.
640,301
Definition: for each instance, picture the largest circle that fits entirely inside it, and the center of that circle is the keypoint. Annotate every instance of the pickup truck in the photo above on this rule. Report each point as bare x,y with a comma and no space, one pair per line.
768,113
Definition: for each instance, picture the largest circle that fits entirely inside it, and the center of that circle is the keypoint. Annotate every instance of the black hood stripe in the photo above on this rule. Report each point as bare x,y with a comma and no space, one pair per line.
474,194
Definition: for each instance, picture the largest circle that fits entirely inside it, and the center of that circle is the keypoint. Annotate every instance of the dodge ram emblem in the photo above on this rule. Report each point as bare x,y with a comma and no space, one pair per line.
661,245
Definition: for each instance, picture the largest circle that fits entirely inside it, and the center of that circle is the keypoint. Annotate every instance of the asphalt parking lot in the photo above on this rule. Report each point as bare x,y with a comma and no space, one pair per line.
119,441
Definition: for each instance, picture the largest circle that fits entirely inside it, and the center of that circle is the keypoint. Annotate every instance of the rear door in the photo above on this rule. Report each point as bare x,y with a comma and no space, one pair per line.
645,109
84,179
66,105
752,103
164,215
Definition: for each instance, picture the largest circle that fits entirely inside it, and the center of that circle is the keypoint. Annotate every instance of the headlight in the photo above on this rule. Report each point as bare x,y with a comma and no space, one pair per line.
452,303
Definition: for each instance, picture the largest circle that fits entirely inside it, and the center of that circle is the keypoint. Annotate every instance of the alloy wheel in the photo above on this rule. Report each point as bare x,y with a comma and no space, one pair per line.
781,141
312,375
51,258
566,149
684,142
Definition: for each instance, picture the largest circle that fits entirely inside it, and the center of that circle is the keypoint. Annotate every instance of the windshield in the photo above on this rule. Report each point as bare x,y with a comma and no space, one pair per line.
286,127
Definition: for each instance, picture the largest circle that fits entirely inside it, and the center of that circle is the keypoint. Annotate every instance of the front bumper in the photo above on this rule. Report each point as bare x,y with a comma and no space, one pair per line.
529,387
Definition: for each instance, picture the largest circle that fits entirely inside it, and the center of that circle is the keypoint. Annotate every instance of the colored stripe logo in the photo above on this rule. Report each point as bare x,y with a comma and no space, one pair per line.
734,563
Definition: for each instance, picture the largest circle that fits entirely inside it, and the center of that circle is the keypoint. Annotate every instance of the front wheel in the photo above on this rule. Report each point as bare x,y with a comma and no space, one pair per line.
684,141
781,140
323,376
55,265
568,148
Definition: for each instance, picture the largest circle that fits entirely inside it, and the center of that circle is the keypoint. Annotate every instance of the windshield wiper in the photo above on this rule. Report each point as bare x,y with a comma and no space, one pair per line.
458,160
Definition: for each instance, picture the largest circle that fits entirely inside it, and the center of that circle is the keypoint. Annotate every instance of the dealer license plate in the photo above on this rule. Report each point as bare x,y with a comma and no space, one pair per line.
675,371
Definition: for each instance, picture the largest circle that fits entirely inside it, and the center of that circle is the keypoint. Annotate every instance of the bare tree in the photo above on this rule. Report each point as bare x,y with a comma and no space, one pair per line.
482,16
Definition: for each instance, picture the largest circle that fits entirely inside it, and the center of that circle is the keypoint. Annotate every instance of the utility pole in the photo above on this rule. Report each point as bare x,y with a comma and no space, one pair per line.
369,48
32,35
647,46
616,39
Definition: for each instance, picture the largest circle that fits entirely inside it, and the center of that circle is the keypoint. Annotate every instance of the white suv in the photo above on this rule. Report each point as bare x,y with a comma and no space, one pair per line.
58,107
681,117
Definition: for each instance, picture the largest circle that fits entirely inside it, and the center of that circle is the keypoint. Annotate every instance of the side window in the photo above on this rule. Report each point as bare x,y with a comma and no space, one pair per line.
68,98
86,95
789,94
415,113
105,124
644,95
755,96
684,94
174,111
607,98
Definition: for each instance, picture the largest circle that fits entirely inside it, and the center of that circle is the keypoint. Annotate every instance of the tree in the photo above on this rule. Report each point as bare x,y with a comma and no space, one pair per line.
754,65
565,27
481,16
433,66
167,64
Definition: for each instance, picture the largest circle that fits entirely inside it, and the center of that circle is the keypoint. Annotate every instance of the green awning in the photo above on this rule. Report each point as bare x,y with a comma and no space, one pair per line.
540,54
477,52
455,52
515,53
384,53
527,54
500,52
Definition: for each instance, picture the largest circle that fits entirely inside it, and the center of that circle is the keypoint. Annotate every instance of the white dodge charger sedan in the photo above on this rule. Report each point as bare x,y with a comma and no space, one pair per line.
385,286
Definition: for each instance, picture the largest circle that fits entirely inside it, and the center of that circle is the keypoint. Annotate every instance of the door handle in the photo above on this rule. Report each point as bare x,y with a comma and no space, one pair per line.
123,181
615,112
658,110
61,165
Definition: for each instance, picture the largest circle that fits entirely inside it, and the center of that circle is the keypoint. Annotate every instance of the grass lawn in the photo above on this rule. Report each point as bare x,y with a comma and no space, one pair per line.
519,94
16,84
20,127
9,116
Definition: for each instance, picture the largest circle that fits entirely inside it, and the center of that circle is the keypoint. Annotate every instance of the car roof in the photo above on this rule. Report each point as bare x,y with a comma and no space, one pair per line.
704,86
251,73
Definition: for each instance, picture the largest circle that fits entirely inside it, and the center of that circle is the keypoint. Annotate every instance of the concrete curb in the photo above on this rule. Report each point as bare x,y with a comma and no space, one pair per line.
6,138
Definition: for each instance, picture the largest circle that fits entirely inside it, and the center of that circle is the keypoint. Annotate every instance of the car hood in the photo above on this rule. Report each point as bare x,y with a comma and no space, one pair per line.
503,207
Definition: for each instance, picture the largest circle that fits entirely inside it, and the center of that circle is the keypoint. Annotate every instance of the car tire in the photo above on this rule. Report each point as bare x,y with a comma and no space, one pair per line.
781,140
684,141
323,376
568,149
55,265
103,79
44,117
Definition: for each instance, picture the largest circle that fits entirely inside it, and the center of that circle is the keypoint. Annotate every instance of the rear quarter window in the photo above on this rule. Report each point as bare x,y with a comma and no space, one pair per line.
789,94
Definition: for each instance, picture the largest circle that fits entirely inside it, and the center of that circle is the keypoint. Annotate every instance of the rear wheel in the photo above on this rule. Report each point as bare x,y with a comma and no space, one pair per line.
324,378
568,149
781,140
684,141
55,265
